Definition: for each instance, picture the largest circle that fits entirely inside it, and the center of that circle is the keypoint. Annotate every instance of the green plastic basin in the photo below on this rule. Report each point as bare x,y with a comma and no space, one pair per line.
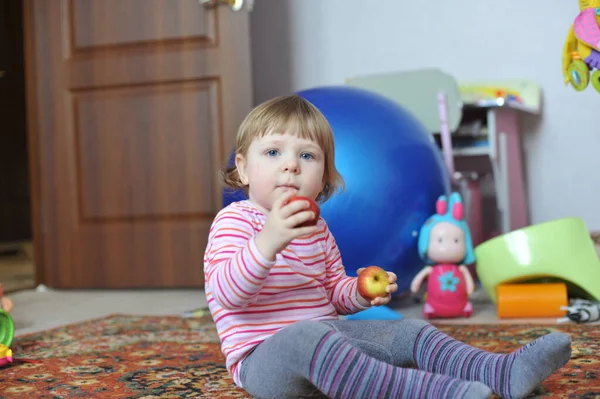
559,250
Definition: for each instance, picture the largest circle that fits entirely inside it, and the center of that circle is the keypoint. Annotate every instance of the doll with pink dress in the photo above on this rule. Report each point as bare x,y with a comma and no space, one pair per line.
446,247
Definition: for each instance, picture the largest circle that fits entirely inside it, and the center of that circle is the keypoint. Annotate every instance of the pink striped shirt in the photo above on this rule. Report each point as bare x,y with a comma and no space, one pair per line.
251,298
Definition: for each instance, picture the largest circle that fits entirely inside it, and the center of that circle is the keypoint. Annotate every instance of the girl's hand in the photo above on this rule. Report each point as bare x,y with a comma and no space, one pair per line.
390,289
281,225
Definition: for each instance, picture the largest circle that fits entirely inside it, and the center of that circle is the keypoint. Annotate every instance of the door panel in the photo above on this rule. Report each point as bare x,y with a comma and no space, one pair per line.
109,22
129,99
152,149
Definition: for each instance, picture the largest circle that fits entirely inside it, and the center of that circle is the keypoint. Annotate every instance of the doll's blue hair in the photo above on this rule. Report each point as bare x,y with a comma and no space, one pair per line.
452,212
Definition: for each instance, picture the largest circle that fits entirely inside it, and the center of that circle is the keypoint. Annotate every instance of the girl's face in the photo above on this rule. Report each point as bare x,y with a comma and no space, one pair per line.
276,163
446,244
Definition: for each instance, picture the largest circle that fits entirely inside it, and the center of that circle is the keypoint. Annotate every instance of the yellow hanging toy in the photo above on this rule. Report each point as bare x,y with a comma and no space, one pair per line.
581,53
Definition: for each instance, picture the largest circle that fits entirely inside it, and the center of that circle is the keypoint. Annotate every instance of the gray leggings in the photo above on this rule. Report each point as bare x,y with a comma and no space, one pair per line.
276,368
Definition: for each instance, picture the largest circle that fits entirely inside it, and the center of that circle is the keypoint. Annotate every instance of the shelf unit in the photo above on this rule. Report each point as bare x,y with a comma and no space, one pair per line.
501,158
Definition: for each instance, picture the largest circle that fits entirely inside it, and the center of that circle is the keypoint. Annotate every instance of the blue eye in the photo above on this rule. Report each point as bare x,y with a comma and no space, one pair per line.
307,155
272,153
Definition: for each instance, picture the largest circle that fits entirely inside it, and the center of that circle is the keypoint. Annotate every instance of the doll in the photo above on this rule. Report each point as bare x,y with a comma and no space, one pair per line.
445,245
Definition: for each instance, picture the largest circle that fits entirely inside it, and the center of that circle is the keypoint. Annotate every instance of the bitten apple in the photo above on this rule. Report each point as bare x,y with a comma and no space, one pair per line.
312,207
372,283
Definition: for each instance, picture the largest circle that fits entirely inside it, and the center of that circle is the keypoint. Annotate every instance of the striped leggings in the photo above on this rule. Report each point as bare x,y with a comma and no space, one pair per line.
280,366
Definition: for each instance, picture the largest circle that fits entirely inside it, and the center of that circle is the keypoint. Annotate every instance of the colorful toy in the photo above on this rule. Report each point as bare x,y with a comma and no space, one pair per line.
532,300
581,53
445,245
487,94
582,311
7,332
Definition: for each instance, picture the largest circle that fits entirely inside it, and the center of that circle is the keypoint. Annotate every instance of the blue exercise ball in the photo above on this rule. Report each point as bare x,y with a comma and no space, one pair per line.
394,173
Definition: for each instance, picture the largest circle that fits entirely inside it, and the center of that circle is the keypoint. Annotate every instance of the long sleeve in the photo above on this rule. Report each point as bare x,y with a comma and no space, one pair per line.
342,289
250,298
234,268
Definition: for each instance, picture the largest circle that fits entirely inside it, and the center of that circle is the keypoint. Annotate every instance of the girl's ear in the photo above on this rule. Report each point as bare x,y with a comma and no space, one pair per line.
240,164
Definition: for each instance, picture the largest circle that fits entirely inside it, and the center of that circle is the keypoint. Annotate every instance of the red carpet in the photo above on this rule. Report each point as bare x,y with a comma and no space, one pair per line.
124,356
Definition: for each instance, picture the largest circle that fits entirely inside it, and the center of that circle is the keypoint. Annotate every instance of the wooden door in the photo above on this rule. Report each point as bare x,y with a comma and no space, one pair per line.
134,106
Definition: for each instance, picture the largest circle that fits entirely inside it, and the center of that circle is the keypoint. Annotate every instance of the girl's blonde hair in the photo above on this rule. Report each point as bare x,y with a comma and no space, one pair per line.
294,115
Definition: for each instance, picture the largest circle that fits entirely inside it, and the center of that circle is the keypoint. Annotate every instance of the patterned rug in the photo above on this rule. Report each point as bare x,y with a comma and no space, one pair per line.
124,356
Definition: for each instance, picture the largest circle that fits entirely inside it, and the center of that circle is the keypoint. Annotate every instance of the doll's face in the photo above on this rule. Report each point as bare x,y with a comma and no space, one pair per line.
446,244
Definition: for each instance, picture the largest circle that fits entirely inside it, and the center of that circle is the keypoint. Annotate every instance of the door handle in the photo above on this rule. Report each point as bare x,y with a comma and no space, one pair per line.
236,5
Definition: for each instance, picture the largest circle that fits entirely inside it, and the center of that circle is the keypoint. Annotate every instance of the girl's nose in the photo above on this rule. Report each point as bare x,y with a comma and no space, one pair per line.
291,166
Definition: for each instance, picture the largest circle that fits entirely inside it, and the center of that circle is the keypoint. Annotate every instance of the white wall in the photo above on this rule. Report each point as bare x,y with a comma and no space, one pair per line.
297,44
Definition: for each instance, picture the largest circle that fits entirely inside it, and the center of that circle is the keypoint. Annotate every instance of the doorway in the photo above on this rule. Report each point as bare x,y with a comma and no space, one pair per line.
17,269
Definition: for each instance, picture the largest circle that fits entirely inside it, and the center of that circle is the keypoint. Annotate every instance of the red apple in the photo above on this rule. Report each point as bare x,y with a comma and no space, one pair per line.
312,207
372,283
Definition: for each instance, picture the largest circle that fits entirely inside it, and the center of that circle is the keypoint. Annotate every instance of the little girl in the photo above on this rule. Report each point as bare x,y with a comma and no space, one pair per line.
276,285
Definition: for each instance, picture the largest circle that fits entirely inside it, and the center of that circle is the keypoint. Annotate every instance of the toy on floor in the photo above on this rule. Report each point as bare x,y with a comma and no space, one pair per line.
376,313
581,52
445,245
559,250
7,332
582,311
527,300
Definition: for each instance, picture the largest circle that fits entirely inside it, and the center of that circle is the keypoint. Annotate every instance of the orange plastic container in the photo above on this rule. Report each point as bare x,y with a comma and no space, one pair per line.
531,300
